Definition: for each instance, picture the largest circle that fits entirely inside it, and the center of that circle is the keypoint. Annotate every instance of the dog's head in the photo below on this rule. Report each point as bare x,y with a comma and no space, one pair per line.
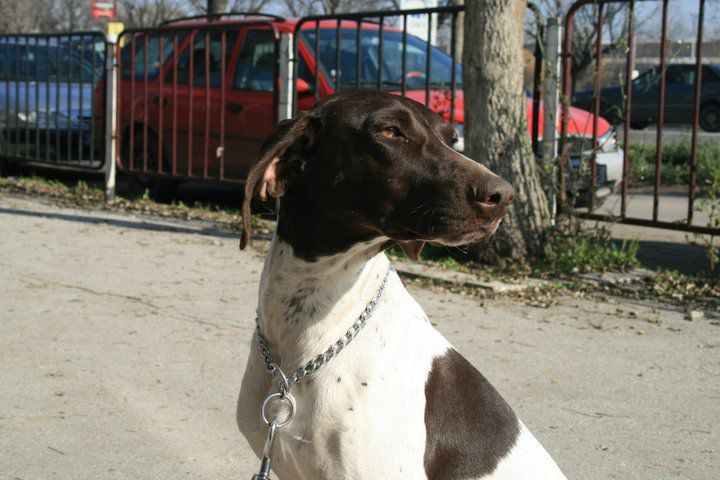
365,164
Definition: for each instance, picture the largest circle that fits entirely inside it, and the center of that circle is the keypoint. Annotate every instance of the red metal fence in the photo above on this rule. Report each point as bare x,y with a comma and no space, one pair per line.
185,104
631,88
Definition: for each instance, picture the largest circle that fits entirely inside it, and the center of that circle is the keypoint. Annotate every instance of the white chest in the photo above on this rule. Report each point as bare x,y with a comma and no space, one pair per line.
362,414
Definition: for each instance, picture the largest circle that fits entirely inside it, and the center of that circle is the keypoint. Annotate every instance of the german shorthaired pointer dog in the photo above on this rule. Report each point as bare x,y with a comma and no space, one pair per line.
358,173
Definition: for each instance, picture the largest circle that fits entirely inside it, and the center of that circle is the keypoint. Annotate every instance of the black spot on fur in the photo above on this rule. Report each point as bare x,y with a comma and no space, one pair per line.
469,426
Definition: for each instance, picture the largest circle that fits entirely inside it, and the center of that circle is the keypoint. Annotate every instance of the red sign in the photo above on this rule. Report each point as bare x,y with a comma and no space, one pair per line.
103,9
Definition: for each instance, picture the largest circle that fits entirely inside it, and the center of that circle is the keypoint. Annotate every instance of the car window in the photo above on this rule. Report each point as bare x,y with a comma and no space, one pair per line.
392,54
710,76
680,75
45,61
154,62
199,56
256,62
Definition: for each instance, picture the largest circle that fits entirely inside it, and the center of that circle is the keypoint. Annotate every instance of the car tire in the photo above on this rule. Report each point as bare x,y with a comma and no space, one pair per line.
710,117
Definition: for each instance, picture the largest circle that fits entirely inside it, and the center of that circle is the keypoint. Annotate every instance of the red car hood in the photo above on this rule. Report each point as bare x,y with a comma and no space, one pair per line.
581,121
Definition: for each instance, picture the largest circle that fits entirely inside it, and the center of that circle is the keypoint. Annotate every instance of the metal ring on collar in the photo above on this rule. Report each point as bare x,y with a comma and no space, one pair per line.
281,397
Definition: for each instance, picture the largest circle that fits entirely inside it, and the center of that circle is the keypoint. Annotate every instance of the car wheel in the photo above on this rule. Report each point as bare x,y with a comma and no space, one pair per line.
710,117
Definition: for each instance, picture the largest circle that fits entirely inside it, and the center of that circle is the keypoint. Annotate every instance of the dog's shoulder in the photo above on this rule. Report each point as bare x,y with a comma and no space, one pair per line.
470,428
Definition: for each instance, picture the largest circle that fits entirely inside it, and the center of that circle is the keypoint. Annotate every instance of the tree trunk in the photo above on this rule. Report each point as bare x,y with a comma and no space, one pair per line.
496,133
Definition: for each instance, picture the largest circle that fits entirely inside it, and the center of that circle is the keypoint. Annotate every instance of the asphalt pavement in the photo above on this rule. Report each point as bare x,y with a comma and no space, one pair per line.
672,133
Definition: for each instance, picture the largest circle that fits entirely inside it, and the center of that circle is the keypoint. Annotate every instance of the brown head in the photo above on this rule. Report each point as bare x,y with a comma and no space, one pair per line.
365,164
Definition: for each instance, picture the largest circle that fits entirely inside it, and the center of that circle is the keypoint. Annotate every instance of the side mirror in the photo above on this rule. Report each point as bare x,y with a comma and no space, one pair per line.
302,86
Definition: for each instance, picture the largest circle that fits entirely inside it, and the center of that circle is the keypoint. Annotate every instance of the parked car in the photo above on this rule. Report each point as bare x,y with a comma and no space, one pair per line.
679,97
164,92
46,93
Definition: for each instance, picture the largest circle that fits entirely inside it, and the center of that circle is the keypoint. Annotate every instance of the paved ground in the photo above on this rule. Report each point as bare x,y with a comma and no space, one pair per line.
671,134
672,206
123,346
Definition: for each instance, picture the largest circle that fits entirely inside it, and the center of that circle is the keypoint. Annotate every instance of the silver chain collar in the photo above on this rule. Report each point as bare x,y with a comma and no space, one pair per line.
315,363
321,359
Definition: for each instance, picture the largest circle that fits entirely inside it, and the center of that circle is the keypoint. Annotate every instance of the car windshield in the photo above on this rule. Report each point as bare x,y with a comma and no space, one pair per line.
392,53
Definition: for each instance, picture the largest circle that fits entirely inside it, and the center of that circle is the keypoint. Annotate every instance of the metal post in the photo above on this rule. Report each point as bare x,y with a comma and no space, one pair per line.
551,99
110,121
287,74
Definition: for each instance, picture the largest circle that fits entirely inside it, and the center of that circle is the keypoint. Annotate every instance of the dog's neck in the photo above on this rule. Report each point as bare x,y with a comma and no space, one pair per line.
305,306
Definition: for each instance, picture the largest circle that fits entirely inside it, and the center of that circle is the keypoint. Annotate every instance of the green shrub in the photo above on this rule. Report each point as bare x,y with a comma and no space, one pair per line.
574,248
675,163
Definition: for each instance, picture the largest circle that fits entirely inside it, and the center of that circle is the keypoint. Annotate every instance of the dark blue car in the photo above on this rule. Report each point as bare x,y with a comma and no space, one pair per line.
679,97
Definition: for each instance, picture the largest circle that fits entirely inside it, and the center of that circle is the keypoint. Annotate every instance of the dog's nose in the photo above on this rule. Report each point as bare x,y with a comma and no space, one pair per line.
493,195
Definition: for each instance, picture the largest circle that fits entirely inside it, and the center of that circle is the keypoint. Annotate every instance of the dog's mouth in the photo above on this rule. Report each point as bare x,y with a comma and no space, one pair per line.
450,233
464,236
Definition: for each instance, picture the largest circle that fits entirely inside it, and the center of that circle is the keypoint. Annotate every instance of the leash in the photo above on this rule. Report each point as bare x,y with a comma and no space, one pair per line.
283,394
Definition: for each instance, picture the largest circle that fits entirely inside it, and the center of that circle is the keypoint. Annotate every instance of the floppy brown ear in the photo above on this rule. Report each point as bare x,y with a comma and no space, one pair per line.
413,248
280,159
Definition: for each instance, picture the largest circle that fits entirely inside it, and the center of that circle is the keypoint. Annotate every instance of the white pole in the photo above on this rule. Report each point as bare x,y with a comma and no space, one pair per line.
551,99
285,102
110,122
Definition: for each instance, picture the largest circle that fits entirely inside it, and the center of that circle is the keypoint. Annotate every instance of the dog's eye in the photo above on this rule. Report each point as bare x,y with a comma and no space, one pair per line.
390,132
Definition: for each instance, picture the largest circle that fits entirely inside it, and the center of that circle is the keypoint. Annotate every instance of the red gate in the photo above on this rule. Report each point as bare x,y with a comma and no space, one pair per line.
185,108
602,97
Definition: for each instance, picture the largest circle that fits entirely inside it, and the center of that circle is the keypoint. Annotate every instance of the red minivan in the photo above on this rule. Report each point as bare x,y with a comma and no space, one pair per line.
199,95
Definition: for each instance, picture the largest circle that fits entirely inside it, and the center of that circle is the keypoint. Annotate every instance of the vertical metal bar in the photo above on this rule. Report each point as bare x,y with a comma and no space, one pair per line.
207,104
696,112
93,103
380,54
7,92
69,98
37,98
358,52
161,102
58,57
146,42
295,71
286,61
551,99
403,87
47,97
131,153
223,41
111,118
191,84
81,118
336,78
16,122
428,51
114,51
276,76
317,61
174,104
565,115
453,73
536,89
27,96
661,112
596,104
629,62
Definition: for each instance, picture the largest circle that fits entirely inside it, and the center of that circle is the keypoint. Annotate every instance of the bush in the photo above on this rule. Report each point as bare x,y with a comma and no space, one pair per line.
572,247
675,164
